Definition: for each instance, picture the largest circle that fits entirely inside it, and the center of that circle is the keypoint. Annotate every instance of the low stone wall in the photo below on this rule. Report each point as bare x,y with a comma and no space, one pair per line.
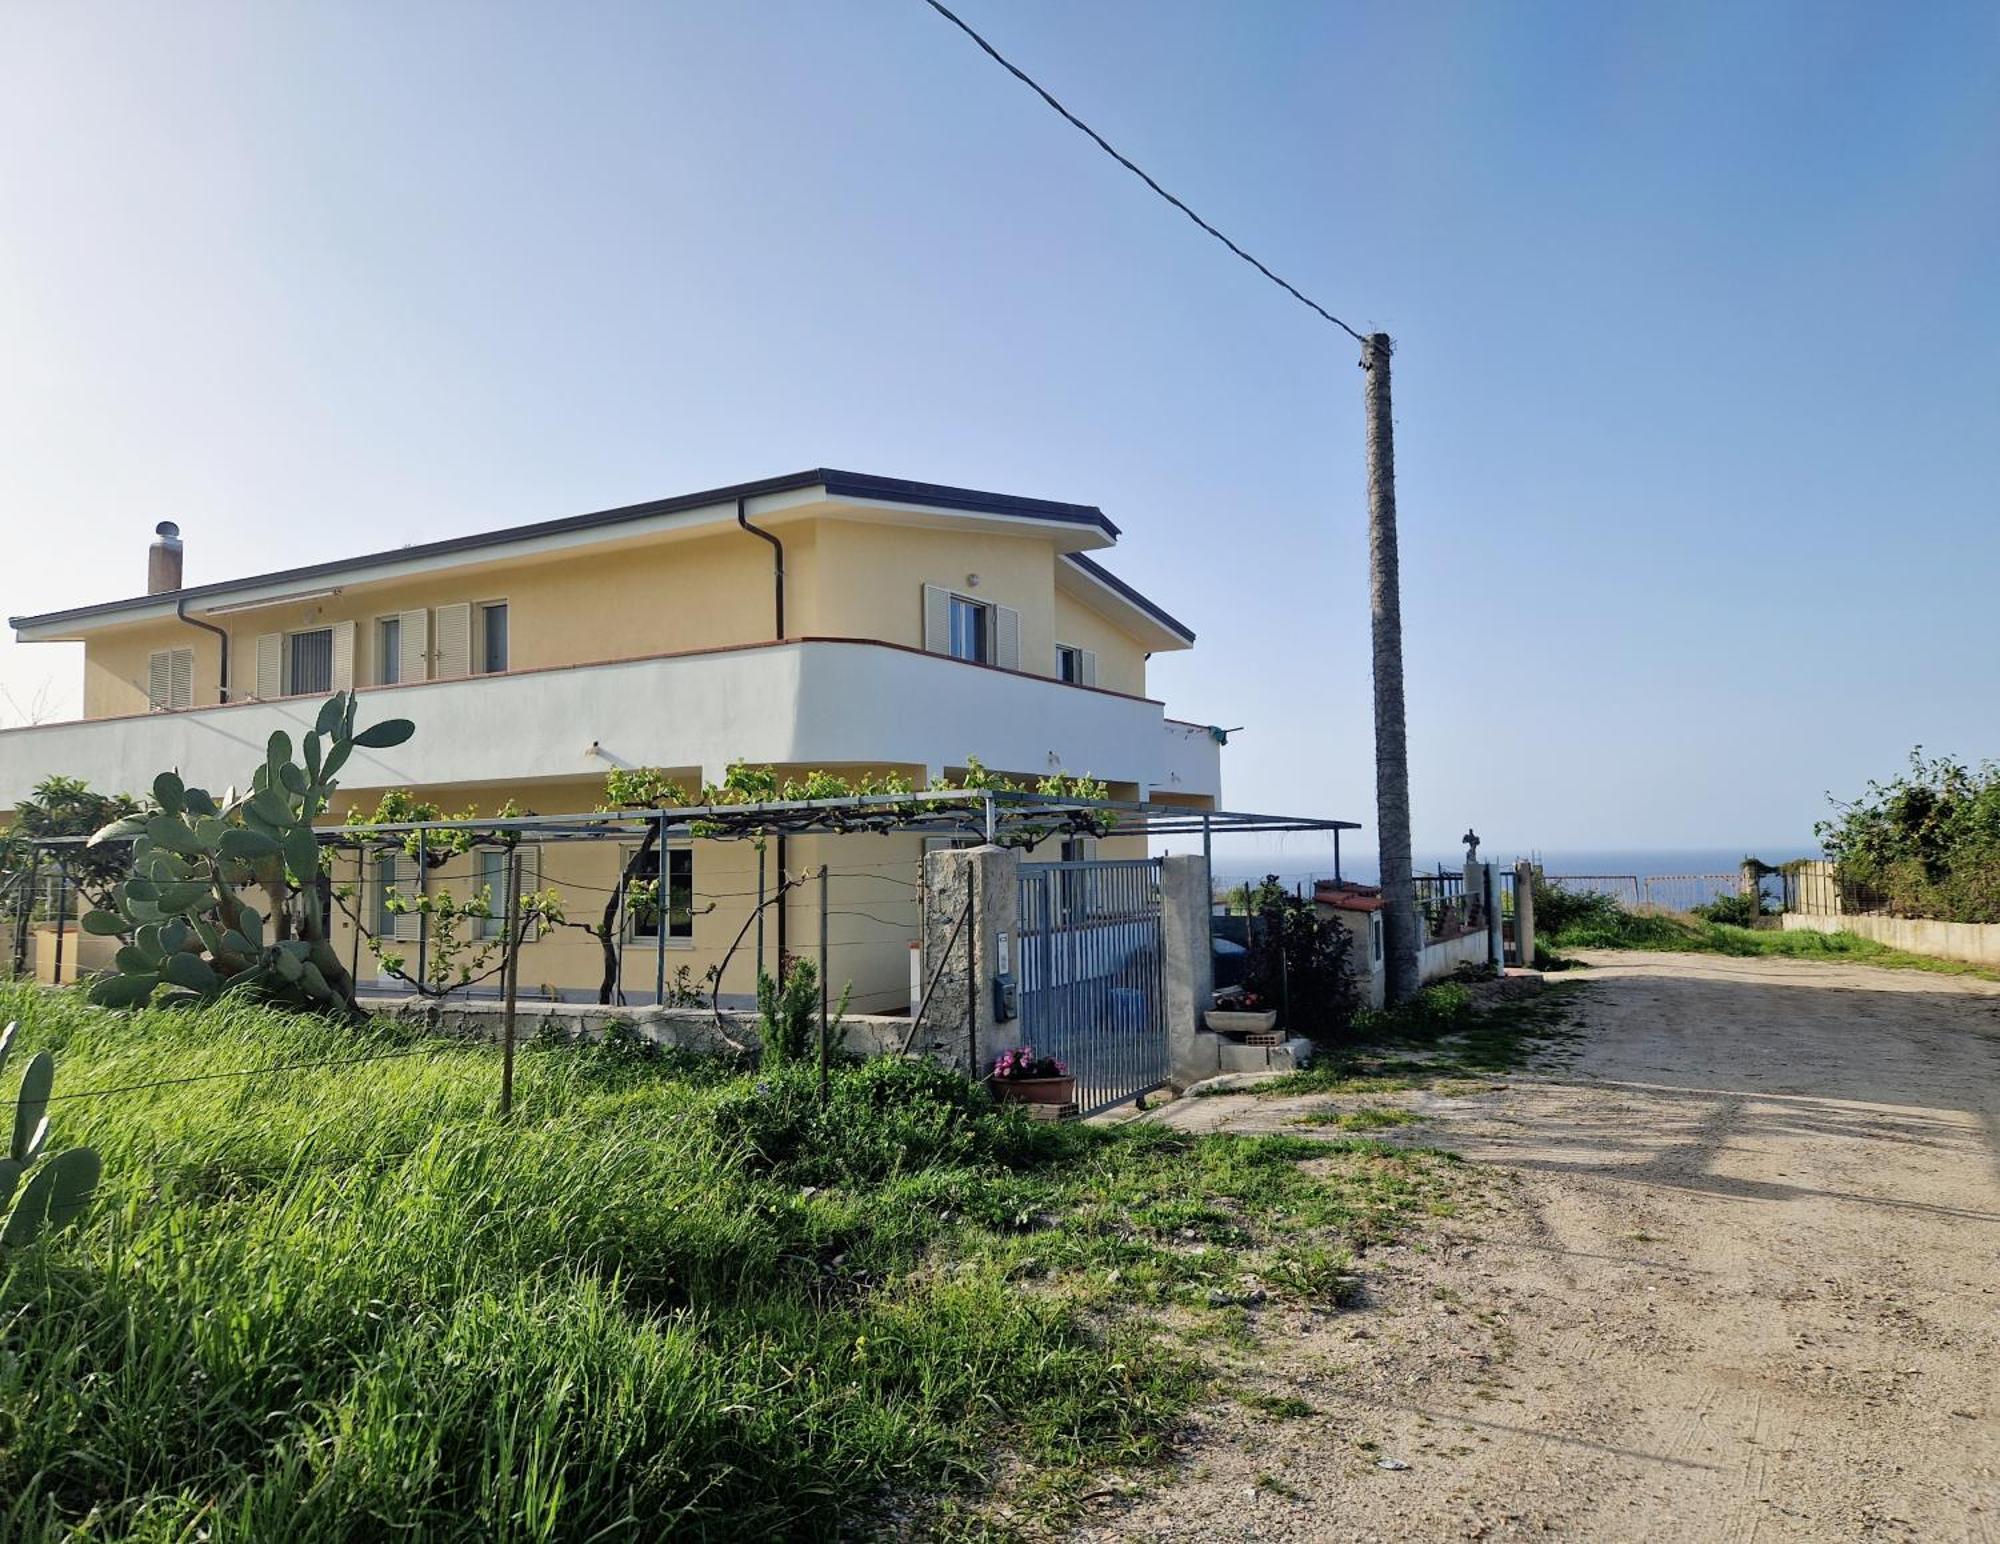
693,1029
1974,943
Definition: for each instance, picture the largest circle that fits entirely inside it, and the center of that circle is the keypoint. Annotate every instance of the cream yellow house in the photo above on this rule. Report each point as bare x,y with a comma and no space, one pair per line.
822,621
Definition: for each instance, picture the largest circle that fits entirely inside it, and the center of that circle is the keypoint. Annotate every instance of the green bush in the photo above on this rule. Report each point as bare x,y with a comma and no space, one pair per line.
1560,910
1926,844
1299,959
1731,910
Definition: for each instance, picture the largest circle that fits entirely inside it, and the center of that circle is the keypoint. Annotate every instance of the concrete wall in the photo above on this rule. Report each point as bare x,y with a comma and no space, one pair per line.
1975,943
1439,959
823,704
862,1034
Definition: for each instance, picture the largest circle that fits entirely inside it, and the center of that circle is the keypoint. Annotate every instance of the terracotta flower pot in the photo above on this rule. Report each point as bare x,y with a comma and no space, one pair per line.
1034,1090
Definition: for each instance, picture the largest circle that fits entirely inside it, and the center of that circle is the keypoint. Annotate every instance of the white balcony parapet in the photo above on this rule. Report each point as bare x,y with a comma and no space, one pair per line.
819,702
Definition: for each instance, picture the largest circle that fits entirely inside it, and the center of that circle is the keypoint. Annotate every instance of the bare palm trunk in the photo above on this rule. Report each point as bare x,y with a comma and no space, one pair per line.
1392,759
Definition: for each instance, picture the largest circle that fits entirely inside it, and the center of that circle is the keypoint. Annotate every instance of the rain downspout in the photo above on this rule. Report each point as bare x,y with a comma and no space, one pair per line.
180,610
778,590
777,563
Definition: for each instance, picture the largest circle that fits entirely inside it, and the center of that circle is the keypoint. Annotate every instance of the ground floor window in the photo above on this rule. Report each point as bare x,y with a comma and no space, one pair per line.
677,898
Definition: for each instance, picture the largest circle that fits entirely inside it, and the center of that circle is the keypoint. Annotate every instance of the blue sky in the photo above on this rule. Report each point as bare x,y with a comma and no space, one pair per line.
1696,306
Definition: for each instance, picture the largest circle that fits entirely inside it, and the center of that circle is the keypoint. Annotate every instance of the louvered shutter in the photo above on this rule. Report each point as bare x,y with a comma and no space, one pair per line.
937,620
1086,669
454,641
270,666
413,637
400,870
180,678
343,656
159,685
1006,638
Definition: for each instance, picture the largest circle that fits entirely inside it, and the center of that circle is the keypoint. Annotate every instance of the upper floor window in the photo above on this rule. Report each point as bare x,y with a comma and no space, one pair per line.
389,651
493,637
170,679
984,632
970,632
1076,666
309,668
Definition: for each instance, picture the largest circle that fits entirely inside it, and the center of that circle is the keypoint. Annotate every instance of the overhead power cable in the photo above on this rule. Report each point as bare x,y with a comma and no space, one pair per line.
1134,168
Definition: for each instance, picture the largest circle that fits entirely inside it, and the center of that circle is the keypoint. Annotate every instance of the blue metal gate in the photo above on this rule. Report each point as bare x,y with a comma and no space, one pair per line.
1091,975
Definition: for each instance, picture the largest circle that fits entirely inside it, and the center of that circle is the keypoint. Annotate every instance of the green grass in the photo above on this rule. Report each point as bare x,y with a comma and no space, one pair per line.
1677,934
349,1303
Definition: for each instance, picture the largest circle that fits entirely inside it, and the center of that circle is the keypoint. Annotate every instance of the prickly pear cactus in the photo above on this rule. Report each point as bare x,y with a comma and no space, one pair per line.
57,1191
188,932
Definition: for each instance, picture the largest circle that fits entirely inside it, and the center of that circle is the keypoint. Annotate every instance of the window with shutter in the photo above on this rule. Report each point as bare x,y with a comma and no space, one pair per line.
413,632
170,679
388,650
399,873
454,641
489,873
342,634
309,663
493,638
1006,651
270,665
937,620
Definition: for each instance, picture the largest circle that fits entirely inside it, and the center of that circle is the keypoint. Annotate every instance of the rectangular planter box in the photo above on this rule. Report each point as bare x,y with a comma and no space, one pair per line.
1237,1021
1057,1091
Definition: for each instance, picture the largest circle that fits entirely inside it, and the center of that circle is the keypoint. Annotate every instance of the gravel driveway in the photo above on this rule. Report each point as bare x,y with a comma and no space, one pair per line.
1731,1272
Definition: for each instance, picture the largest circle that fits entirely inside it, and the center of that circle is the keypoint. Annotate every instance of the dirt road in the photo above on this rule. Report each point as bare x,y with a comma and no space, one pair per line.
1735,1275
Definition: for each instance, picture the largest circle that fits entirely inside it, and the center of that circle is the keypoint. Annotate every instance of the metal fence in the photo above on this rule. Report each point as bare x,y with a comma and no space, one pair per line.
1091,975
1622,888
1684,892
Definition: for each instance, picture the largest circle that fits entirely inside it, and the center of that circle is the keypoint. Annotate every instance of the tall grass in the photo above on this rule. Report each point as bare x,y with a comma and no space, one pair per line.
347,1302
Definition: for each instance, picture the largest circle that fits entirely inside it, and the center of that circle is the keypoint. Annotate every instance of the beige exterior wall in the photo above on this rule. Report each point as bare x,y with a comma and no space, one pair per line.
1121,660
871,577
662,595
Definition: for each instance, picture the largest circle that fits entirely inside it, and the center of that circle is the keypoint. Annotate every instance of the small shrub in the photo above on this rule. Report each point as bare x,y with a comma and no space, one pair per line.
1731,910
1299,958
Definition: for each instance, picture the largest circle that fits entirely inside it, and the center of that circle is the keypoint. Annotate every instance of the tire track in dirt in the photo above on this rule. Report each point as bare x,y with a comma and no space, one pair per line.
1736,1280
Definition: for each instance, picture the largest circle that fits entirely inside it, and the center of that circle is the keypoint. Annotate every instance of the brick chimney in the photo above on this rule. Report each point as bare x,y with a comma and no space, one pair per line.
163,559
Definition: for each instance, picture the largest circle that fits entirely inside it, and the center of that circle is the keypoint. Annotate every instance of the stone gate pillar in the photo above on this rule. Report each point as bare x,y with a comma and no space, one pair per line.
965,952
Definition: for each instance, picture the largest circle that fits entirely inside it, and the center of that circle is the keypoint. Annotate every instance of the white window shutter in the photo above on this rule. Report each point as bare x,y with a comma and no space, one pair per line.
413,635
159,688
343,655
454,641
270,666
1006,638
937,620
401,869
180,678
1086,670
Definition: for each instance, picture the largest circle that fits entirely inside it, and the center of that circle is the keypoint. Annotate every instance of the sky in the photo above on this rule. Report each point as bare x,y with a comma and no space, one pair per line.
1696,308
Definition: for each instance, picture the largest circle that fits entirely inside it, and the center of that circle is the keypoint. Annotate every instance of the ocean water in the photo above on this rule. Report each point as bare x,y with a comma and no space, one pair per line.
1299,866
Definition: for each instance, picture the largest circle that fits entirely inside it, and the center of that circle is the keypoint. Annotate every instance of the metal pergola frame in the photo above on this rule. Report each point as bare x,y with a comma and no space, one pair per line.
994,814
